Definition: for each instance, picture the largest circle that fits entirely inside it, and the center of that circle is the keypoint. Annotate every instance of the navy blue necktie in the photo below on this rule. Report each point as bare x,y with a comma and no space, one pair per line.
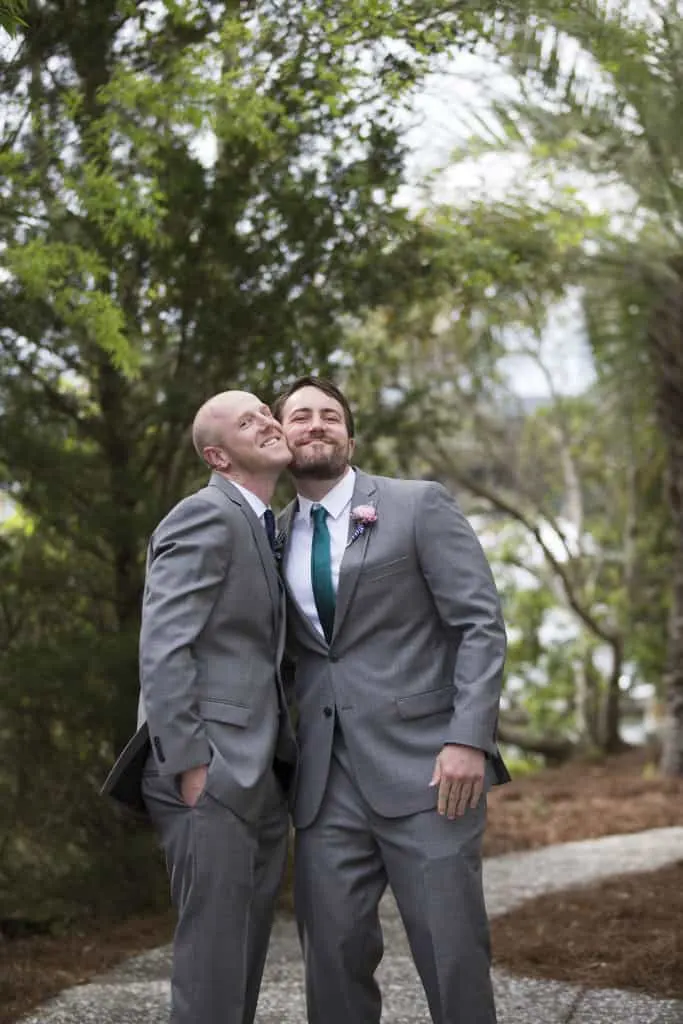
321,570
269,523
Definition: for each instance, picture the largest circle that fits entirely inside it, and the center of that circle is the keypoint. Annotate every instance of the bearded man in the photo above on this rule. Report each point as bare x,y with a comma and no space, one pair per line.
398,642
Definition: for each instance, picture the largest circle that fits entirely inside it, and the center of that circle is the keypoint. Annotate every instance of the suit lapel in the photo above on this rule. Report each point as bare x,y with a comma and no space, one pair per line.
284,525
260,536
365,493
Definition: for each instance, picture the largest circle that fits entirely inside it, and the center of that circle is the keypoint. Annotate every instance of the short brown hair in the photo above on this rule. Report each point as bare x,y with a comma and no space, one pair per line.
326,386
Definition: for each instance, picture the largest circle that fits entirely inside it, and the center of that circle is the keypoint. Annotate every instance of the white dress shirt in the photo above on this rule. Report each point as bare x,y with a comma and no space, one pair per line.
255,502
298,563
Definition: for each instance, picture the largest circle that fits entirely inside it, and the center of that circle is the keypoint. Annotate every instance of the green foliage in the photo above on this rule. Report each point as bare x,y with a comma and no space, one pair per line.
426,367
195,196
199,196
62,849
67,277
12,14
613,112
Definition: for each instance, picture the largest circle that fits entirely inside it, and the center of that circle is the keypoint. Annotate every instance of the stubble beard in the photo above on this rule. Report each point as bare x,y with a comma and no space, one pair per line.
322,467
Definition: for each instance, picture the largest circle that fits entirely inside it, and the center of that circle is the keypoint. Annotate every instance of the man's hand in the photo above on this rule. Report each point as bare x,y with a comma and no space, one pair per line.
192,784
459,774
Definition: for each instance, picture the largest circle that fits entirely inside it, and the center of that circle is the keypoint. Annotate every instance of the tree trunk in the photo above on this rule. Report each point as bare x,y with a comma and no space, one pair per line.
583,700
672,731
610,740
666,347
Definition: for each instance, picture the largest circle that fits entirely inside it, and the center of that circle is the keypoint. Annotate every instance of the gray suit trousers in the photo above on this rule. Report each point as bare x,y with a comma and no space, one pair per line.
343,863
225,874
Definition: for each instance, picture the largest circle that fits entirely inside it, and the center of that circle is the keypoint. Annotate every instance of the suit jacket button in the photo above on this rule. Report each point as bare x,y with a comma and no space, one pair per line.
327,711
157,746
334,658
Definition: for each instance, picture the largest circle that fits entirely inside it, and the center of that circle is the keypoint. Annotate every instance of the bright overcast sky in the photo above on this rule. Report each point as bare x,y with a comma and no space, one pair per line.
444,118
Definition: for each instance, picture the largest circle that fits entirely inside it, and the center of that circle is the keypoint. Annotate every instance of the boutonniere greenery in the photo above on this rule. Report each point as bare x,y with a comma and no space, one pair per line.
363,516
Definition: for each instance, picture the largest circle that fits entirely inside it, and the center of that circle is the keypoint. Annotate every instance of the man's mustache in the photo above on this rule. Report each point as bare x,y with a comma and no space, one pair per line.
316,437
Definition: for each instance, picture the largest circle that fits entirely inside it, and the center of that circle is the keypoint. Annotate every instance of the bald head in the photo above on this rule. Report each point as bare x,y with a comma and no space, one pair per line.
235,434
212,419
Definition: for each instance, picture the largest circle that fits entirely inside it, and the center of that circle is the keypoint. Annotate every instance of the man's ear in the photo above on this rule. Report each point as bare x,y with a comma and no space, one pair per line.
352,446
217,458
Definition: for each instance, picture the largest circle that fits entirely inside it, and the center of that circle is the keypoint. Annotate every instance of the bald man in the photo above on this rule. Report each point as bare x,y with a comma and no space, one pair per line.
211,704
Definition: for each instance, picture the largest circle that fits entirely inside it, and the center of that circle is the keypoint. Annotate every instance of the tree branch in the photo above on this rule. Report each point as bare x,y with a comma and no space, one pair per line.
610,637
556,748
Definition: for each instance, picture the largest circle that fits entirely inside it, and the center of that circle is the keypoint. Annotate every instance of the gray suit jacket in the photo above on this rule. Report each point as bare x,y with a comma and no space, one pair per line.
211,643
416,657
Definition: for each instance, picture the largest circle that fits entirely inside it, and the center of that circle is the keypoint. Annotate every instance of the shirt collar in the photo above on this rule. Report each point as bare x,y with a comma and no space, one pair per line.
335,501
255,502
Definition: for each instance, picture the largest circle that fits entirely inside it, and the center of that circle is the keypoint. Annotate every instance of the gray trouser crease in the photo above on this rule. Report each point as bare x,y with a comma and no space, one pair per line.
343,864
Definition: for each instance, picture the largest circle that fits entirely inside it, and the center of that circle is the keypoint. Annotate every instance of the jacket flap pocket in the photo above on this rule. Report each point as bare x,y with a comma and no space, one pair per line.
380,570
429,702
222,711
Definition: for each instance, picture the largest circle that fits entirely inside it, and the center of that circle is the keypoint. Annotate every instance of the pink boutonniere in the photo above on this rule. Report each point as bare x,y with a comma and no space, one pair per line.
363,516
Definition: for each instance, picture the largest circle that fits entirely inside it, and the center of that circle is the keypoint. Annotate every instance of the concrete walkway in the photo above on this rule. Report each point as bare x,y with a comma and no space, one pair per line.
137,992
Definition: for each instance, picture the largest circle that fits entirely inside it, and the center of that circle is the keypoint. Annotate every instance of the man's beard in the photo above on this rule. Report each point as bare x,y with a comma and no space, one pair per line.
321,467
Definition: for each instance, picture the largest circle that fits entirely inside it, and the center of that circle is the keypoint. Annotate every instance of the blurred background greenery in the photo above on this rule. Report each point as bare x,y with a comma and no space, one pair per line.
199,195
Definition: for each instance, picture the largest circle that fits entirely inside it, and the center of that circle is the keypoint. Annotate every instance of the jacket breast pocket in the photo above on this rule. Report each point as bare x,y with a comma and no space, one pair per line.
224,711
382,570
429,702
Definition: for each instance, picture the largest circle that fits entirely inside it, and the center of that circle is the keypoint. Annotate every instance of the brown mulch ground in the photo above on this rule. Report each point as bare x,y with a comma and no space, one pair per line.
625,933
554,806
33,969
581,801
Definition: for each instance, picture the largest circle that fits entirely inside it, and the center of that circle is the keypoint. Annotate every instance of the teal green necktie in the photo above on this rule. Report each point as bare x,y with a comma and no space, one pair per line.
321,570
